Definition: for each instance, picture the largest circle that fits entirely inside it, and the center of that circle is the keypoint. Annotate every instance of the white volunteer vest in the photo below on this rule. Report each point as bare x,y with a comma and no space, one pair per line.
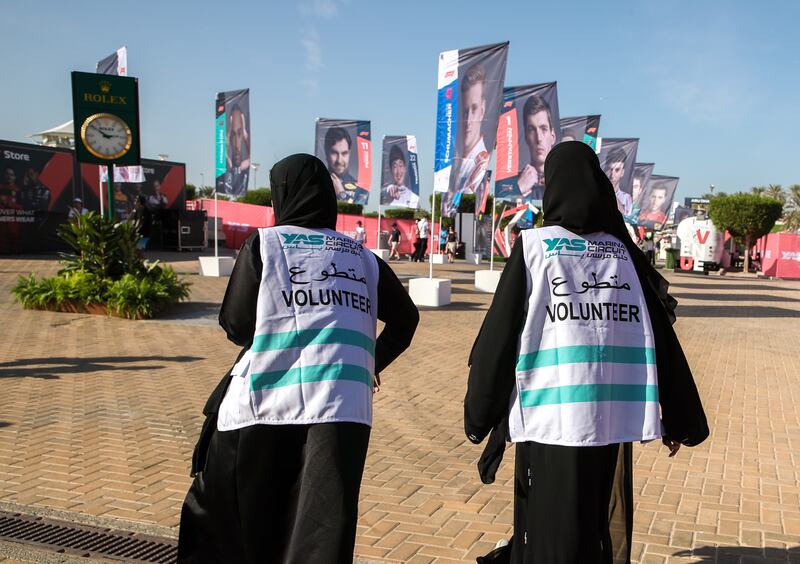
312,358
586,366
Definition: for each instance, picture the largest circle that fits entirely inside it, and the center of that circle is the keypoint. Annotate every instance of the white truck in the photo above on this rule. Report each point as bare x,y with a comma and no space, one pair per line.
701,245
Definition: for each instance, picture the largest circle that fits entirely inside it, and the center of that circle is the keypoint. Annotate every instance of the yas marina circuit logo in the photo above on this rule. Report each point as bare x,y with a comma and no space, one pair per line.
301,241
561,246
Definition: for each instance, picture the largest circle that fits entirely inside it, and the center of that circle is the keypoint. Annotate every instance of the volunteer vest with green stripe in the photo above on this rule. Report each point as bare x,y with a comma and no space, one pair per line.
312,358
586,368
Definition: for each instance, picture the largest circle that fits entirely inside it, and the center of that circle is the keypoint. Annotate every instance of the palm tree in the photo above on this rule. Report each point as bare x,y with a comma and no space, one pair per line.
776,192
792,208
758,190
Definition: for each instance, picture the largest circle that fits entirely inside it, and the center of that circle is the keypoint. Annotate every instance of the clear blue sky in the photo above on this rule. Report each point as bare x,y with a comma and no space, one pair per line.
712,88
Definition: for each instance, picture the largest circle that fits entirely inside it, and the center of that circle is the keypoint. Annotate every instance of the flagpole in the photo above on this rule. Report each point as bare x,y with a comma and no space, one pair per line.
216,225
430,233
102,211
378,244
491,238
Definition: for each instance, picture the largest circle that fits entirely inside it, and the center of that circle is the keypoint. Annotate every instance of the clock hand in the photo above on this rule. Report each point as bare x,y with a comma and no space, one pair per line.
103,133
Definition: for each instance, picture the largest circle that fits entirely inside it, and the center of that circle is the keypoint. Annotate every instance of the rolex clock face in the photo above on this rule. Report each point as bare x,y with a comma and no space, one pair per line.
106,136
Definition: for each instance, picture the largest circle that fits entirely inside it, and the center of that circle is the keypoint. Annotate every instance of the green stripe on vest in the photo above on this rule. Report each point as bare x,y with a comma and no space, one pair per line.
306,337
586,353
589,392
307,374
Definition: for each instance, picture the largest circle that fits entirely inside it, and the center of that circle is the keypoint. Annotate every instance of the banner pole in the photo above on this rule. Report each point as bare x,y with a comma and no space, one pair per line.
491,238
102,209
378,246
430,233
111,191
216,226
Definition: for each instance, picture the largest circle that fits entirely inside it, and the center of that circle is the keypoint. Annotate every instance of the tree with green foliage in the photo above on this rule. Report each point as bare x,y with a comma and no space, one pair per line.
259,197
191,191
745,216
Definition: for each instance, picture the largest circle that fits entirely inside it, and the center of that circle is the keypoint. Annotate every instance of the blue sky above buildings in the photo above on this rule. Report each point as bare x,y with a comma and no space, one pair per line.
712,88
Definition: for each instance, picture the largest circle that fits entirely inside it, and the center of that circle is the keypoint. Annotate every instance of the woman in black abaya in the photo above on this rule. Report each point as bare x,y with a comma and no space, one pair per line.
572,504
284,493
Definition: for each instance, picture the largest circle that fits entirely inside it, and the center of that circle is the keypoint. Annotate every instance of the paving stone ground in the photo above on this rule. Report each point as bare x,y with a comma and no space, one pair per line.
98,418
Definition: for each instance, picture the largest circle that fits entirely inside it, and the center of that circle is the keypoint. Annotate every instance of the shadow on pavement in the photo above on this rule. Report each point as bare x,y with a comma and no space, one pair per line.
711,297
734,311
187,311
52,367
732,286
743,554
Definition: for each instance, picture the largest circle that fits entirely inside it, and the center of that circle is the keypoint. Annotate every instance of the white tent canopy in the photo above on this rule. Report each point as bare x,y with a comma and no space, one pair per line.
60,136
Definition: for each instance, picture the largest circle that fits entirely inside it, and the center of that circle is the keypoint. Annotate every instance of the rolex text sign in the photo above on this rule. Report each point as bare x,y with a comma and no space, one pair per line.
106,117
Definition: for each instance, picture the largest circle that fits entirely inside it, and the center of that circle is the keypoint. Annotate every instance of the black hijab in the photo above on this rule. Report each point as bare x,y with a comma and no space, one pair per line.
580,197
302,192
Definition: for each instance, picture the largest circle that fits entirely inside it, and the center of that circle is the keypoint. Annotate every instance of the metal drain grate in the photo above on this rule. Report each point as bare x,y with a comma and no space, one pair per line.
82,540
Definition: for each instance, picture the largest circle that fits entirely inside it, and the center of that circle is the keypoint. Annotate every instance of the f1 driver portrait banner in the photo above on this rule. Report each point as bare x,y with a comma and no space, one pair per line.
232,142
617,157
400,172
345,146
528,128
656,200
468,105
581,128
641,176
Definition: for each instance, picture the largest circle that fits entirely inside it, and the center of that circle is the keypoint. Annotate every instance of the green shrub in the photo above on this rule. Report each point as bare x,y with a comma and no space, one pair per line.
137,298
105,267
260,197
400,213
349,209
100,246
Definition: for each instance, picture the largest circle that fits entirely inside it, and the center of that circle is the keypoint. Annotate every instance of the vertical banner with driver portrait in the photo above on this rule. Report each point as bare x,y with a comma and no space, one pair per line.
468,105
581,128
345,146
641,176
400,172
232,150
527,129
656,201
617,157
116,64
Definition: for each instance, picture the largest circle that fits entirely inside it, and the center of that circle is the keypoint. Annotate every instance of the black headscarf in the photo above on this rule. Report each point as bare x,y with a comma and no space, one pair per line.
302,192
580,198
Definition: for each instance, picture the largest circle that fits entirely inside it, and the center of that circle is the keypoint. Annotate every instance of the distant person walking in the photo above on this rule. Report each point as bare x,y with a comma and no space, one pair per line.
394,242
424,231
576,360
452,244
361,233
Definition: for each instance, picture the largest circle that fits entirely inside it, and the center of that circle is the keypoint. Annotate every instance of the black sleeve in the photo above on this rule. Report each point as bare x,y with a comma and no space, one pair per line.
681,408
238,312
494,355
399,314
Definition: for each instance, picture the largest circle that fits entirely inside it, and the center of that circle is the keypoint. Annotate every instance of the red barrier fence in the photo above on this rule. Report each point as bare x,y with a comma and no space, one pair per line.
780,255
239,220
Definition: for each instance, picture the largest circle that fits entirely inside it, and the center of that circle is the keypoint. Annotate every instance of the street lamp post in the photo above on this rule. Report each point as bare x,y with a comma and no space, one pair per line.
255,166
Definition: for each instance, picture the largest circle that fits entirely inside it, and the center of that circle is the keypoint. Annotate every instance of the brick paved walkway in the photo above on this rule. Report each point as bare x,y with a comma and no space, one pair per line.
98,417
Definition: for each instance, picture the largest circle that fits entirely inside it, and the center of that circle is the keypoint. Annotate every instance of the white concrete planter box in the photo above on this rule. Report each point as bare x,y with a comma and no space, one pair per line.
216,266
486,280
433,292
382,254
439,259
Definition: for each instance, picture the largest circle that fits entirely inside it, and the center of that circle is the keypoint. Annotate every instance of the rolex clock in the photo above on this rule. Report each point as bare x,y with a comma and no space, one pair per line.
105,110
106,136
